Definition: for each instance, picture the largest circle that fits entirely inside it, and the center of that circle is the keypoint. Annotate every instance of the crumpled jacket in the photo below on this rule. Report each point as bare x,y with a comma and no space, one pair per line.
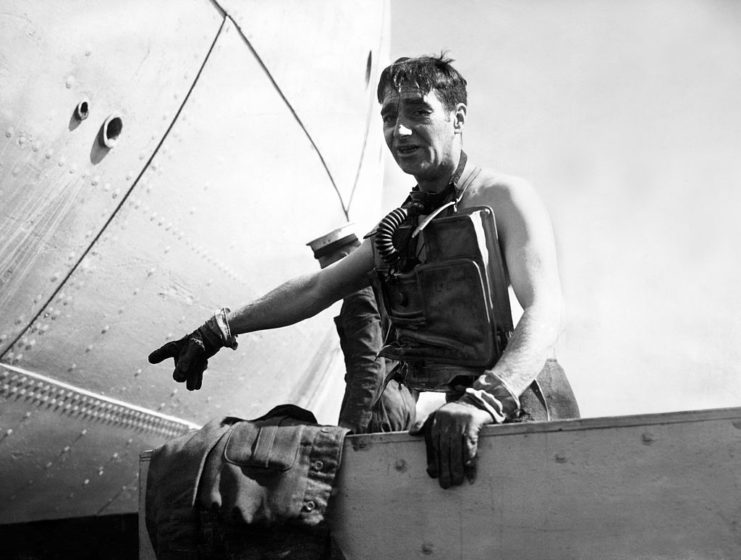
253,490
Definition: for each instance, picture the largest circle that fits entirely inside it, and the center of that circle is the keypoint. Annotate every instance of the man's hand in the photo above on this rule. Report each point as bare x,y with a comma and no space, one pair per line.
452,435
191,353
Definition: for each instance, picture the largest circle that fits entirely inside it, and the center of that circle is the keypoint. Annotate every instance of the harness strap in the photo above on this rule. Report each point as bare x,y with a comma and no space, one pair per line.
454,203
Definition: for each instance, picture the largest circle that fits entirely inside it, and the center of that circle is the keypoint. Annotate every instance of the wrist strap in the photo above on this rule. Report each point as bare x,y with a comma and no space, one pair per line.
229,340
497,399
492,405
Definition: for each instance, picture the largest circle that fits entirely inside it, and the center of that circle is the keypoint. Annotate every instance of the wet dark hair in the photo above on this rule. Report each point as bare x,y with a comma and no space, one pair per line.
426,73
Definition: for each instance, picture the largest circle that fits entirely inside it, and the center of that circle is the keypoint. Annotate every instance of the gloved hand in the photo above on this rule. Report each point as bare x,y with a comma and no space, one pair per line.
452,435
191,353
452,431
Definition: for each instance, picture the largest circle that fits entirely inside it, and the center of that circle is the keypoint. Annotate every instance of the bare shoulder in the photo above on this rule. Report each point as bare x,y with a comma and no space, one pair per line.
514,200
525,234
499,190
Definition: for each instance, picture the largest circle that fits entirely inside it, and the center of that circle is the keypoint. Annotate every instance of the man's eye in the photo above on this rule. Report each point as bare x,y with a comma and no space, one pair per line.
388,119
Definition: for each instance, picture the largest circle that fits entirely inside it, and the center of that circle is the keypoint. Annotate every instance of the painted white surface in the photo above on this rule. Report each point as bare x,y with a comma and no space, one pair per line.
658,487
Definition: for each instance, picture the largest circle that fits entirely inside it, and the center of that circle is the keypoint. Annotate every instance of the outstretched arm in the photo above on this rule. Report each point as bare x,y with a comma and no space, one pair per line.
289,303
304,297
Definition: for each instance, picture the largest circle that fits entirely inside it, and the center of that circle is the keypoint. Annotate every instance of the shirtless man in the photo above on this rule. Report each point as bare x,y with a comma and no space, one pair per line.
423,108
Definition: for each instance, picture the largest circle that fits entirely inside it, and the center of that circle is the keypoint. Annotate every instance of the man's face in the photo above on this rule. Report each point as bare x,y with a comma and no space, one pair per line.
420,131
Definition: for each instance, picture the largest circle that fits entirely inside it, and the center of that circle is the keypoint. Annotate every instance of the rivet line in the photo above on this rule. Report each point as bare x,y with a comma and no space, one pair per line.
62,398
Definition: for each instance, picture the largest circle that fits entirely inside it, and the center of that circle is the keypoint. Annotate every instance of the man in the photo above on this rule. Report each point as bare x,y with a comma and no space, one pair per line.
368,405
423,108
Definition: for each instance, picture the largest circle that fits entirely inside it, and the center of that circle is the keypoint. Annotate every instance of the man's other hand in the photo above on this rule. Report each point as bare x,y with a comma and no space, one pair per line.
191,354
452,435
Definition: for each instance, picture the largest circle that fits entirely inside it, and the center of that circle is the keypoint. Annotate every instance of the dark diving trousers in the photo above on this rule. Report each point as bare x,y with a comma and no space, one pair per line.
368,406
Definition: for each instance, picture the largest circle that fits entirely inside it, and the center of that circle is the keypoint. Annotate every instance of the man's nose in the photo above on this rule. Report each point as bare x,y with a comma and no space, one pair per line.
402,129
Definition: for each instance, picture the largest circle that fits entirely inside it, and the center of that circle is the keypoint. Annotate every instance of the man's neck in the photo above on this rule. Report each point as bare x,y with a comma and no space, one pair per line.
441,179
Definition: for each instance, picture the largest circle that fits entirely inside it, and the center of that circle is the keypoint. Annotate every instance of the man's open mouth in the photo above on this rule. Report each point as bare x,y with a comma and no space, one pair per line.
406,149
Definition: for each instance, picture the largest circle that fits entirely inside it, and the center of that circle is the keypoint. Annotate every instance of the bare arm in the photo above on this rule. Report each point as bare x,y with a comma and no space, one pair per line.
305,296
529,250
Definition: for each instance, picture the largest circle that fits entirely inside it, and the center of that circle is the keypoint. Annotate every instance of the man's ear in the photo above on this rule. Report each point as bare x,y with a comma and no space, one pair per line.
459,117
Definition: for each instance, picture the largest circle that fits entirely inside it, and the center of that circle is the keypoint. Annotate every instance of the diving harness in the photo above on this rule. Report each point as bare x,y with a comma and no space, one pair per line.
441,285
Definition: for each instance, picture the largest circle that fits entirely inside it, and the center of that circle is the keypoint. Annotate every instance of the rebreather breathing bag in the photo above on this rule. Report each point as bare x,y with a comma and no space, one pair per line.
452,307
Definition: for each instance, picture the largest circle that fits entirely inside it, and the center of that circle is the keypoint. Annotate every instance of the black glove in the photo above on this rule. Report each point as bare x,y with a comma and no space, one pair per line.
452,435
191,353
452,431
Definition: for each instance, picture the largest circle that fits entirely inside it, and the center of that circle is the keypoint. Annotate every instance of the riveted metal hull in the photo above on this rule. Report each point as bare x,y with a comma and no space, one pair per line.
239,131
